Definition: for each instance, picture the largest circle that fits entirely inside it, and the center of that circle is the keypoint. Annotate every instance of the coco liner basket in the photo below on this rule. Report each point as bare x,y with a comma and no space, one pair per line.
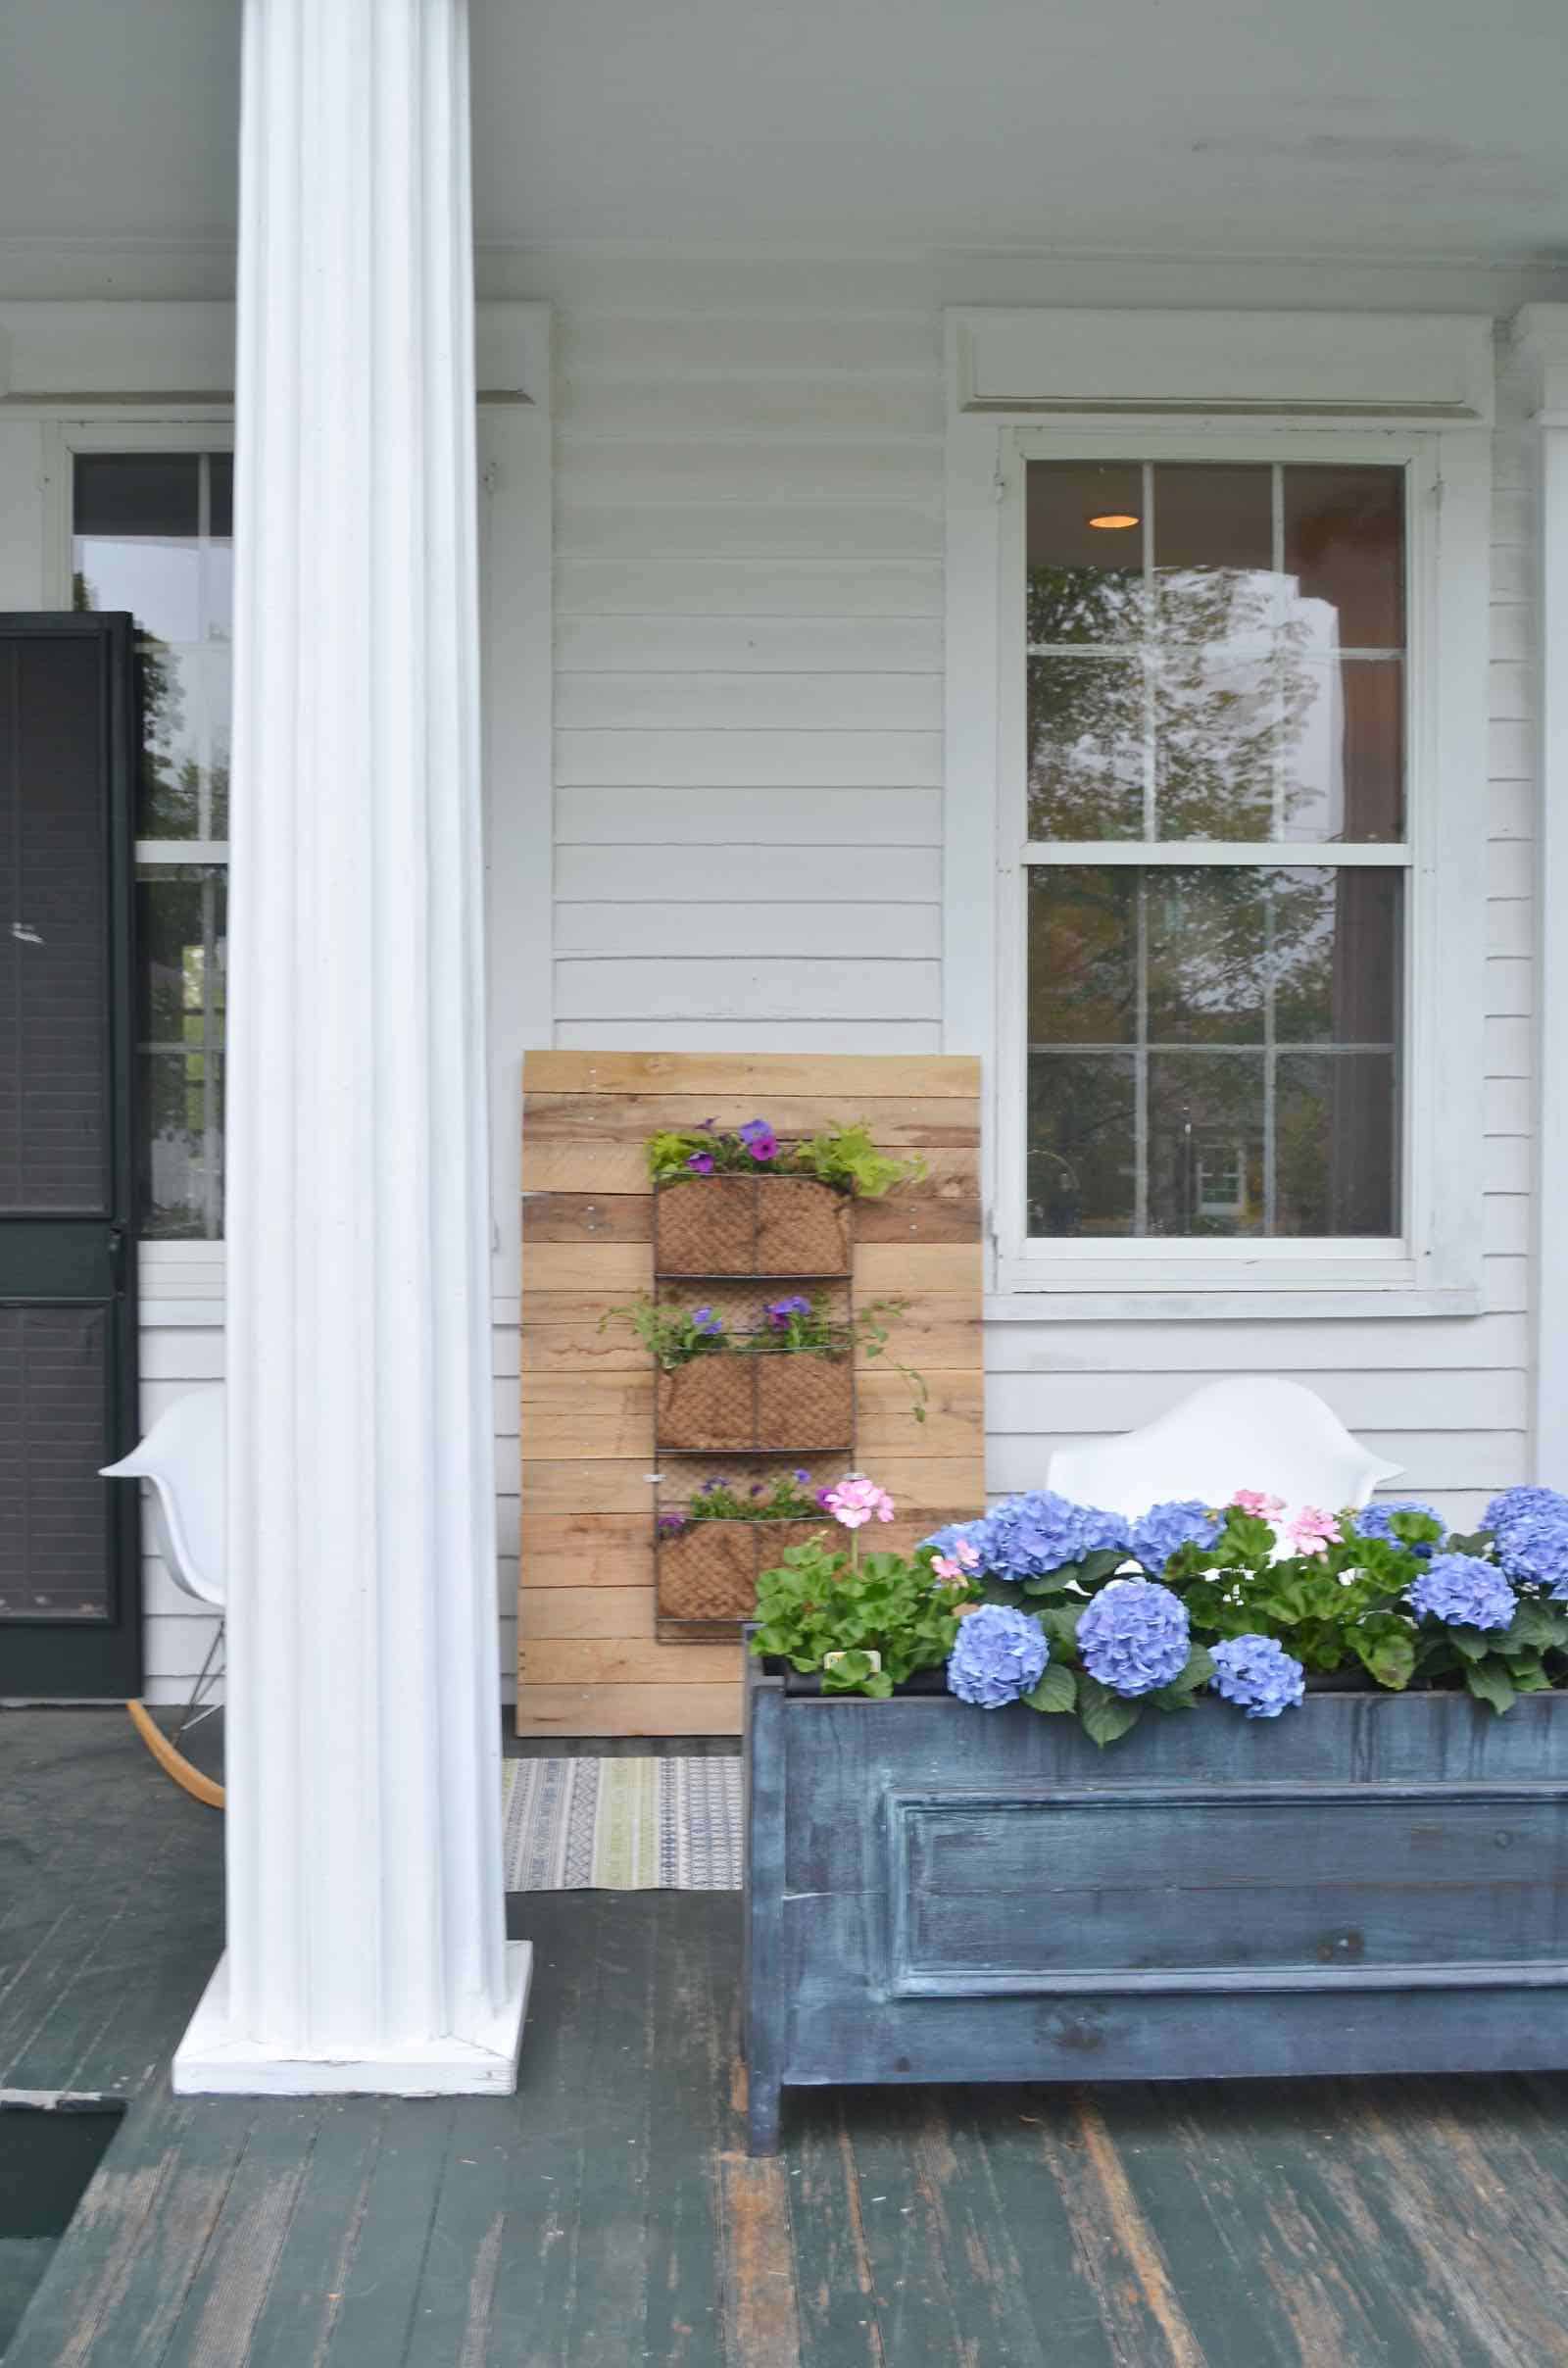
774,1401
708,1571
772,1225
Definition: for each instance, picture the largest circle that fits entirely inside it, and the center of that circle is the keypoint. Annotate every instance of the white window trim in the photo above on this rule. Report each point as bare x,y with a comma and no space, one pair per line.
1436,1267
169,1267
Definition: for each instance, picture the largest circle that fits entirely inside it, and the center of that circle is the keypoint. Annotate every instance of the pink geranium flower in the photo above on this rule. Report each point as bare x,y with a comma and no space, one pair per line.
854,1501
1313,1532
1252,1500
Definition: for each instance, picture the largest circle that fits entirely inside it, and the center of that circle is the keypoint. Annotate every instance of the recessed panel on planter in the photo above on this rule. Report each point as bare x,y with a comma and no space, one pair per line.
773,1225
1135,1890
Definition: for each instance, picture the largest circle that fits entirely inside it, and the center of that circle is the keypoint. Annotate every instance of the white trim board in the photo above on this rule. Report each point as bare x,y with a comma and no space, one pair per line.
1541,340
1412,365
56,354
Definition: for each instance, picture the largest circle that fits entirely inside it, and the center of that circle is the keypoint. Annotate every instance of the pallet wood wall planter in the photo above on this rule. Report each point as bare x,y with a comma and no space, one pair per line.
590,1657
1369,1884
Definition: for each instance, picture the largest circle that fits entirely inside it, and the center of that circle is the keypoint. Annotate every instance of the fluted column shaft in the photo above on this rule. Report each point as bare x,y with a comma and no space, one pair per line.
366,1929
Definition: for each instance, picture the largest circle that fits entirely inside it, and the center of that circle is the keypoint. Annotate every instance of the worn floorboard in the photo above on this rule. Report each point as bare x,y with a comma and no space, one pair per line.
609,2215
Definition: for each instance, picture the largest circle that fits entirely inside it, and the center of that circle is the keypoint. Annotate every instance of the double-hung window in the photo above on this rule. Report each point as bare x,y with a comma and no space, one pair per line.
150,530
1216,835
1215,851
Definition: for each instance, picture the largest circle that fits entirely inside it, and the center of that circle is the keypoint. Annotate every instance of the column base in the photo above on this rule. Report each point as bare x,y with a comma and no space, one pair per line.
212,2061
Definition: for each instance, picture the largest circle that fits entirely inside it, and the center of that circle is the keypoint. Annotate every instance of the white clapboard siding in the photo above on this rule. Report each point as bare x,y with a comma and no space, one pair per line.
728,702
756,584
799,756
622,876
781,988
814,404
726,814
747,824
836,931
675,647
749,1035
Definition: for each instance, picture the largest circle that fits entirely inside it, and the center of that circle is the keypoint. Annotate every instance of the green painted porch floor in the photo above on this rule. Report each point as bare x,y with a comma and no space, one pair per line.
607,2214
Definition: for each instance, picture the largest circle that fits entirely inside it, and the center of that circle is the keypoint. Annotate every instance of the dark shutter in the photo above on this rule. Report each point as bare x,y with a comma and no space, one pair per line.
70,1599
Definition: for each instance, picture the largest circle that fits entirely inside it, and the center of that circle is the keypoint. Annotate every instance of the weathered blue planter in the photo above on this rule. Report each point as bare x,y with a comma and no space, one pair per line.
1373,1883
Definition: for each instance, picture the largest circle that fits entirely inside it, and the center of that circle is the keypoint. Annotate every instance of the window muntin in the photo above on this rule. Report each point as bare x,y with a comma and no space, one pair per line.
152,532
1215,858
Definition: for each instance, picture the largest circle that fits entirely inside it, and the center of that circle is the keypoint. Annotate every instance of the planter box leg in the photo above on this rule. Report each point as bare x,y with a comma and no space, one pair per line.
761,2115
767,2005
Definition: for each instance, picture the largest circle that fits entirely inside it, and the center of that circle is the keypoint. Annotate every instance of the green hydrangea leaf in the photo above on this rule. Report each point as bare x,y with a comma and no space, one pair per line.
1057,1690
1060,1624
1539,1625
1103,1563
1106,1716
1385,1650
1489,1682
1471,1643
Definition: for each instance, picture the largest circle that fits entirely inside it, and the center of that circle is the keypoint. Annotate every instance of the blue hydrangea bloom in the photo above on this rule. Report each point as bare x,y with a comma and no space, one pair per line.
1029,1536
1464,1591
1531,1527
999,1654
1183,1521
943,1541
1133,1637
1258,1674
1375,1521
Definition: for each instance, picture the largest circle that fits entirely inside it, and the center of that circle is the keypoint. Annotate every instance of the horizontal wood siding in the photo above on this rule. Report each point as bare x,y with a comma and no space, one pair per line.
747,857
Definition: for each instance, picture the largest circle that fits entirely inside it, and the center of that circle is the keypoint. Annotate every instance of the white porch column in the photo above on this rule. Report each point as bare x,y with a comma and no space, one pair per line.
1541,338
365,1937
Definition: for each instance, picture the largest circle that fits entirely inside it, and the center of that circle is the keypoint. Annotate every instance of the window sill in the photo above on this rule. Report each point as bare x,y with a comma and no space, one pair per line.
1041,1302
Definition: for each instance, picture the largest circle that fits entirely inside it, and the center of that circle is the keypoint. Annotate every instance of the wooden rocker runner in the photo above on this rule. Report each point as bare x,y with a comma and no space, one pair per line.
182,1456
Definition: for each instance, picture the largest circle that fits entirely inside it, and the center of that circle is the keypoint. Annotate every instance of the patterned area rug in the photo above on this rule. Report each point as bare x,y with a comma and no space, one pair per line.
621,1824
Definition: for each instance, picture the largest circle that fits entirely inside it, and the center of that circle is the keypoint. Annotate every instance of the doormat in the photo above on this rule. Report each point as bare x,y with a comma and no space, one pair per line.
621,1824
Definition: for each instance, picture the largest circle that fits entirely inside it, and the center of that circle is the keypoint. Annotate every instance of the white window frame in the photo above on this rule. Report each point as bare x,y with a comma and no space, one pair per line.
1435,1266
170,1269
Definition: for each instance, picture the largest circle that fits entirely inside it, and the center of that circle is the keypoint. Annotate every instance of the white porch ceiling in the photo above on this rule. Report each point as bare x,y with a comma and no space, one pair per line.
1124,126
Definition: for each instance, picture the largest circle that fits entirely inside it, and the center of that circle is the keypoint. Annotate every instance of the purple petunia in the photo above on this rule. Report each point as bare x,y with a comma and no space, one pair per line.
999,1654
1133,1637
707,1321
779,1311
701,1163
672,1524
1259,1675
759,1139
1181,1521
1465,1592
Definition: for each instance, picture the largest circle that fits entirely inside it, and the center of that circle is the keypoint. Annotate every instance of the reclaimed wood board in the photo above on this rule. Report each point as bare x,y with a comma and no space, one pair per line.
589,1658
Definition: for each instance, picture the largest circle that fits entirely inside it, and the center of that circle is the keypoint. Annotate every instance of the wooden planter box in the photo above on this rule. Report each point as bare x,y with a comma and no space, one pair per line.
709,1570
934,1893
772,1402
753,1225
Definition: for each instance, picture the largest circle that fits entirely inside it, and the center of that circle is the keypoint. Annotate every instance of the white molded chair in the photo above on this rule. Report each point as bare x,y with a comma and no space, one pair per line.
182,1456
1265,1434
